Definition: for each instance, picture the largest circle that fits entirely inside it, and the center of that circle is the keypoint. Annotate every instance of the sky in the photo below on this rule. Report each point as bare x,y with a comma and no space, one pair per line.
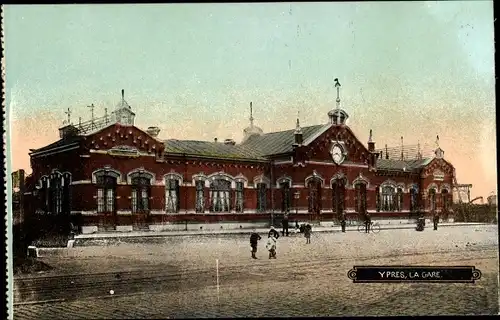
411,69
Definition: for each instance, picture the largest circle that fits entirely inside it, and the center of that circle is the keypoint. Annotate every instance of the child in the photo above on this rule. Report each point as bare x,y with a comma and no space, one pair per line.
254,237
271,246
307,233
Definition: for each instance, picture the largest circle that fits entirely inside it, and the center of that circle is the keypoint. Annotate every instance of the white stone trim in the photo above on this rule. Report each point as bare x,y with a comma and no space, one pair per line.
106,152
241,178
279,162
158,212
401,185
343,164
173,175
89,229
141,171
361,179
388,183
200,177
124,228
124,212
81,182
445,186
315,175
107,169
339,175
283,178
223,176
85,156
298,186
432,186
261,179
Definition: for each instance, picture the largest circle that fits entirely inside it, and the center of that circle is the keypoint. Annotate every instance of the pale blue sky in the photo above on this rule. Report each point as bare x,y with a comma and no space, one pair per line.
407,68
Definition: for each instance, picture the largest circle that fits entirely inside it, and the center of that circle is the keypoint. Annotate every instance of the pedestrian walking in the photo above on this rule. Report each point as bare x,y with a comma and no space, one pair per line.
284,222
307,233
271,246
436,220
273,232
254,238
368,222
343,221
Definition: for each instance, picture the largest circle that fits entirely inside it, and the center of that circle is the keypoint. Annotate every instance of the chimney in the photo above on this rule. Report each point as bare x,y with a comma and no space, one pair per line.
386,152
298,134
153,131
215,139
68,131
371,144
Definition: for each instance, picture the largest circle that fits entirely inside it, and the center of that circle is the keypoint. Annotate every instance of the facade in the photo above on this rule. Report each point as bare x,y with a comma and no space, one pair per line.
108,174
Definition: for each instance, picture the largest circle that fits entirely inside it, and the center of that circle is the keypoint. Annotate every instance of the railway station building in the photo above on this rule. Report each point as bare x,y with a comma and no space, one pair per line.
108,174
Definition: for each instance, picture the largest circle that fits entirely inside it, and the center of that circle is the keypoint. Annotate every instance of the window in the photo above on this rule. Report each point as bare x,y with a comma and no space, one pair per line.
286,196
388,198
360,189
314,187
261,197
56,195
432,199
66,200
200,196
413,199
239,201
399,199
106,190
172,199
338,194
445,199
378,201
140,194
220,195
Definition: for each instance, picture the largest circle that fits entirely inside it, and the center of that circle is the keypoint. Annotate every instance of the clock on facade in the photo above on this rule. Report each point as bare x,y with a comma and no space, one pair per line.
337,154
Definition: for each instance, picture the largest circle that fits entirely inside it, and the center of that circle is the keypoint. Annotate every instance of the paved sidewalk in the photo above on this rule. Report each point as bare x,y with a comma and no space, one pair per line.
246,231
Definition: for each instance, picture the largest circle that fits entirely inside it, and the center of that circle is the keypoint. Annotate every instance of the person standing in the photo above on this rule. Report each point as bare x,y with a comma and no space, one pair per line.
307,233
368,222
436,220
343,221
285,224
273,232
271,247
254,238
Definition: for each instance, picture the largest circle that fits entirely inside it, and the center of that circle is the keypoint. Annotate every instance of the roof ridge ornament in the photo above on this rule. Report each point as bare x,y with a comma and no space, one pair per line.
337,115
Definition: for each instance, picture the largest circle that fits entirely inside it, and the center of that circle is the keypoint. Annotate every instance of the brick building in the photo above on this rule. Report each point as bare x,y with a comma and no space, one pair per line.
108,174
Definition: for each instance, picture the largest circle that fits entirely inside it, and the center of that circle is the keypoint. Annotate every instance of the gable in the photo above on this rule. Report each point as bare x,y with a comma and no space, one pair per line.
123,139
319,147
439,168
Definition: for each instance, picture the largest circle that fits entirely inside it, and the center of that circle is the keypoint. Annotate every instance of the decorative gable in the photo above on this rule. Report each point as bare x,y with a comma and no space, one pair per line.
354,150
439,169
123,140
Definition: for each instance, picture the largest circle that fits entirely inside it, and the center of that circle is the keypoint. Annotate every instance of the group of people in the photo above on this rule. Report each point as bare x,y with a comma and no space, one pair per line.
272,237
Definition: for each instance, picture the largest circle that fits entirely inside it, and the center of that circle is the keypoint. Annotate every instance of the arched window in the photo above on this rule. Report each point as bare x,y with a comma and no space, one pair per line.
261,197
445,200
141,189
286,196
200,196
66,194
413,199
314,187
106,192
56,195
220,195
240,196
338,195
360,197
172,195
388,198
432,199
399,199
378,202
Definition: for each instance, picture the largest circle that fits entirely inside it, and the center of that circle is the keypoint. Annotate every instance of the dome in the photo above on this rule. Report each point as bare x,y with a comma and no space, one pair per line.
252,130
338,116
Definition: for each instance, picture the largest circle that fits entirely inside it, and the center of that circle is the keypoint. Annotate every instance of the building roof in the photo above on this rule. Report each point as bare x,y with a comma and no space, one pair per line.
58,144
279,142
211,149
402,165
